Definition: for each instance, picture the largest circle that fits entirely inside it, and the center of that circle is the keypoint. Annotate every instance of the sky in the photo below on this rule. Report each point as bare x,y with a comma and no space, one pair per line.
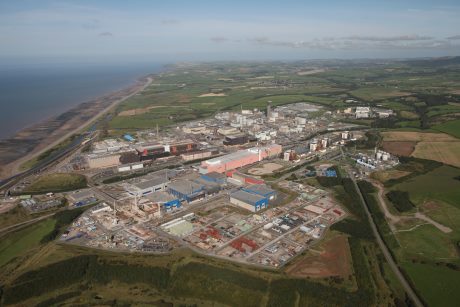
172,30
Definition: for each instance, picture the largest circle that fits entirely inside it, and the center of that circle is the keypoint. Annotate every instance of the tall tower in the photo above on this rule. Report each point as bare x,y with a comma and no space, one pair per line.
269,109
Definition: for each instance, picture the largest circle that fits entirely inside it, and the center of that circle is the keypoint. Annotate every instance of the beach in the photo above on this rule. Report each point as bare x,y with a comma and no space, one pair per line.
40,137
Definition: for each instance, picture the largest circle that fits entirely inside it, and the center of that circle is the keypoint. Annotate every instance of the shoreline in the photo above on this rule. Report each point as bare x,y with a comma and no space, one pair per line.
35,139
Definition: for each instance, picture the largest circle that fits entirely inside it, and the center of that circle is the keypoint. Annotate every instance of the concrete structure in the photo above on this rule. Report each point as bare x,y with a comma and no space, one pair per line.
249,201
362,112
239,159
165,199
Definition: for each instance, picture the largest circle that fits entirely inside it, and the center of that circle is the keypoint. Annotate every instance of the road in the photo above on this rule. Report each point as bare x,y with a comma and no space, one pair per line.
393,219
389,258
10,228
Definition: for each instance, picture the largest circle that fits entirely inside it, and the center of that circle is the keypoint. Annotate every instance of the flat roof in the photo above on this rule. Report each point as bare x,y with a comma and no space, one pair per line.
215,175
185,186
150,183
260,188
247,197
160,196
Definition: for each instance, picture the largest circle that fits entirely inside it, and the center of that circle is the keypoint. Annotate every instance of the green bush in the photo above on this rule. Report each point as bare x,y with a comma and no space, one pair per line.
400,200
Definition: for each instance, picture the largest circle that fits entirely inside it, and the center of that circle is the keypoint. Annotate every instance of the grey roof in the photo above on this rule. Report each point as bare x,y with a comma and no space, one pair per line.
156,181
216,175
259,189
246,197
185,186
160,196
82,194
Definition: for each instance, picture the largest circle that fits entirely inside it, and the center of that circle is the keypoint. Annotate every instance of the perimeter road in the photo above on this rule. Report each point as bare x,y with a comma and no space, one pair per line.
410,292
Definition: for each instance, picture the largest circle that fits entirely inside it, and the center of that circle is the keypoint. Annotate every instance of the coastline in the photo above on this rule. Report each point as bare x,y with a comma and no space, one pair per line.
40,137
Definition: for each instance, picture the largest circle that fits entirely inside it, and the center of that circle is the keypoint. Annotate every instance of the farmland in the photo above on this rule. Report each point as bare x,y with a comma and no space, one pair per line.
433,146
56,183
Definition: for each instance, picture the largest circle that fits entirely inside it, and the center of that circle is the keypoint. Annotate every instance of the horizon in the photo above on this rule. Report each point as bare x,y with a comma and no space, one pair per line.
109,32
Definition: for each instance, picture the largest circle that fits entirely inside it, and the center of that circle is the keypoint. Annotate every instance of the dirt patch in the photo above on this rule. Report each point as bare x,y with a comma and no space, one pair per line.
384,176
310,72
399,148
411,136
213,95
7,207
334,260
265,169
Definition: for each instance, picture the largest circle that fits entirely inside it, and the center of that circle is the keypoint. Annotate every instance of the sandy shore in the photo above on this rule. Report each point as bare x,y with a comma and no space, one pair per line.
32,141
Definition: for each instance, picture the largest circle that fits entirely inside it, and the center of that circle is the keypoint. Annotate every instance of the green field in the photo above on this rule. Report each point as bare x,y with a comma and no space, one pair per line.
19,242
437,285
426,242
57,182
438,184
450,127
377,93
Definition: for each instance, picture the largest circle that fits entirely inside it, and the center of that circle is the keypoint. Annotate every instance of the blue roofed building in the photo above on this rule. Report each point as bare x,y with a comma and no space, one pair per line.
331,173
129,138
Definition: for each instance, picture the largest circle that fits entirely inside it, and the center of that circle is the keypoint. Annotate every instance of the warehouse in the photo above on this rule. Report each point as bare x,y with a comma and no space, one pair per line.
103,161
215,177
151,152
186,190
239,159
196,155
154,184
167,200
262,190
236,139
249,201
181,147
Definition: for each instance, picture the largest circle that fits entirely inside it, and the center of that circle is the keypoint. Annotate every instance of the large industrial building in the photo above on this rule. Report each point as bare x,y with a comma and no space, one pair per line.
249,201
154,184
186,190
262,190
239,158
103,161
235,139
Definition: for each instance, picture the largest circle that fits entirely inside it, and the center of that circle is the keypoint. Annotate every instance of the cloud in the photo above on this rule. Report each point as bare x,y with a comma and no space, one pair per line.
169,22
359,42
91,24
390,38
106,34
219,39
454,37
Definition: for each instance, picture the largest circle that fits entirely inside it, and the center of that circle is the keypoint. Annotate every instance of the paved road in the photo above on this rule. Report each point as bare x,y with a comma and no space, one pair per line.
410,292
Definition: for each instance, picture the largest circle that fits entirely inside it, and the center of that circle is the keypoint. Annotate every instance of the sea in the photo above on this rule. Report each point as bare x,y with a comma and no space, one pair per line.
33,93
